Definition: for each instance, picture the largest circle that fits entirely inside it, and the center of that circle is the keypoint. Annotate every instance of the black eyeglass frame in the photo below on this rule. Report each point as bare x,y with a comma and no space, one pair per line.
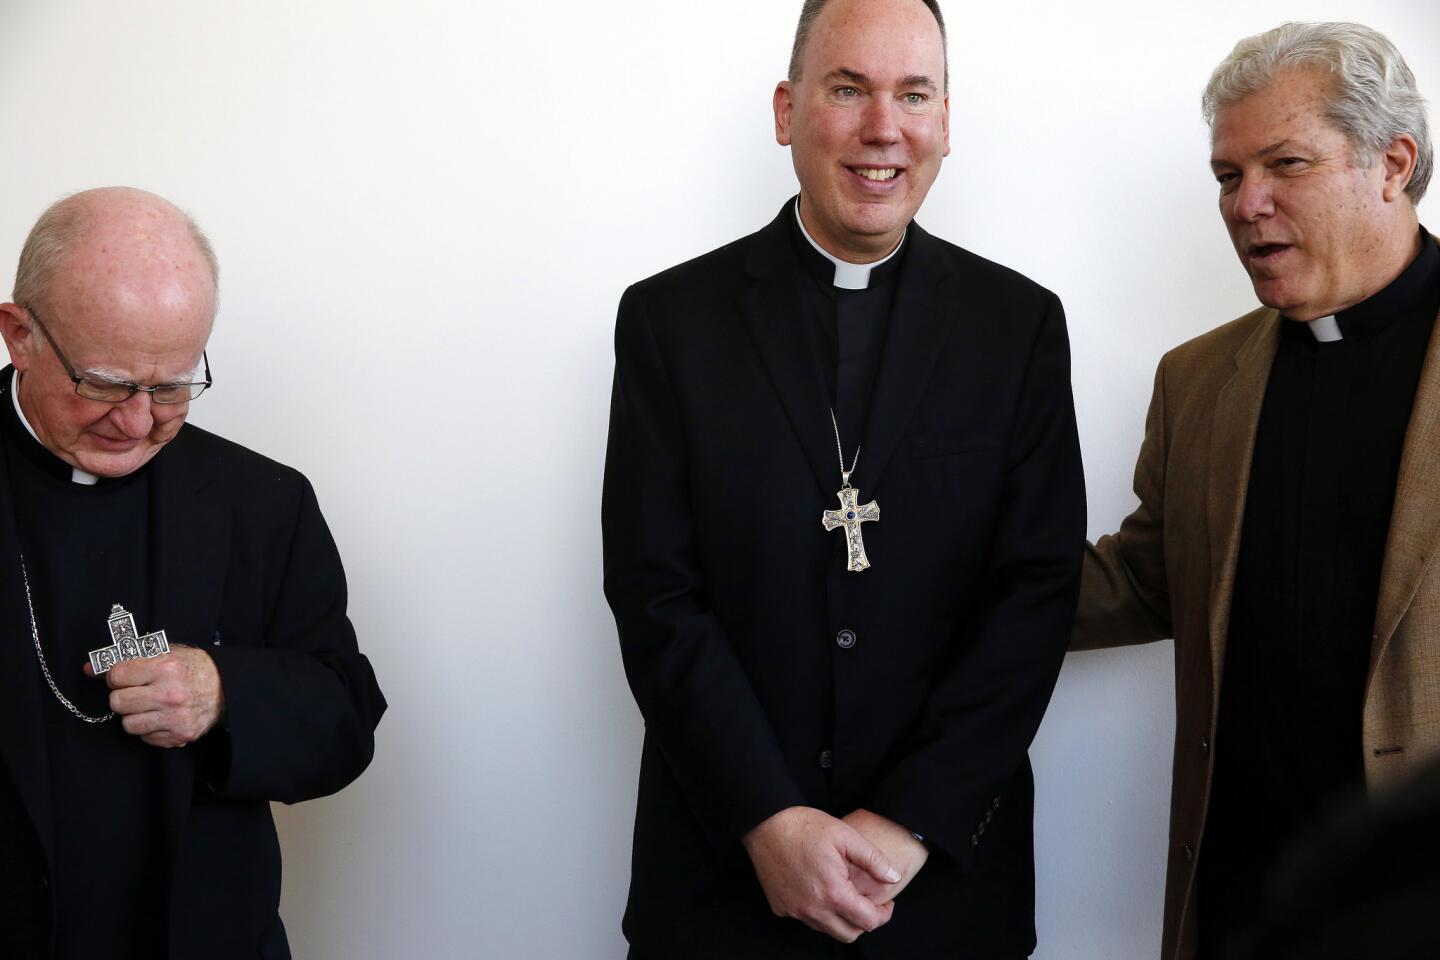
134,388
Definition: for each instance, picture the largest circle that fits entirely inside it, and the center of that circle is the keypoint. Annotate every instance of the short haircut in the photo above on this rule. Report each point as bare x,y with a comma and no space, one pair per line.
55,235
1373,98
810,12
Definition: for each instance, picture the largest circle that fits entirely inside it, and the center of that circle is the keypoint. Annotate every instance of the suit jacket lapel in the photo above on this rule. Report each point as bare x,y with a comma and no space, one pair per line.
22,737
920,324
789,347
1414,533
1232,444
187,580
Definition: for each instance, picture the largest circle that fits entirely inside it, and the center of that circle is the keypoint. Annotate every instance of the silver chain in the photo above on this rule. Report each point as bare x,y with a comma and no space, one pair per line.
40,654
840,452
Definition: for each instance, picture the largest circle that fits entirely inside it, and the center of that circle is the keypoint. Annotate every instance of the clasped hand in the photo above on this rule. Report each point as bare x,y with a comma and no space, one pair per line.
169,701
839,877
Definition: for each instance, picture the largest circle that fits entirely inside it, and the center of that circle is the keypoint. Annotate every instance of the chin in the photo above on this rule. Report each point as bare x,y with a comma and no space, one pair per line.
117,464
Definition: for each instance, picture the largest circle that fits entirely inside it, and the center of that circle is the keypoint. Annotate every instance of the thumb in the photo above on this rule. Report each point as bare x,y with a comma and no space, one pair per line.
868,857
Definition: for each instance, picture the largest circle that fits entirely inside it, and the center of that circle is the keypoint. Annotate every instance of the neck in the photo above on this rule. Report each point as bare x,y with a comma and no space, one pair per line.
1395,250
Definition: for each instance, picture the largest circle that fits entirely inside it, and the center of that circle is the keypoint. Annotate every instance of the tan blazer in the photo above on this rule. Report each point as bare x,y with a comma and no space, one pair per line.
1170,570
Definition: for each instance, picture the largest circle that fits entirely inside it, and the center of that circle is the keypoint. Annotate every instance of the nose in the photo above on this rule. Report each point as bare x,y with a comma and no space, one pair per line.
881,124
133,417
1253,199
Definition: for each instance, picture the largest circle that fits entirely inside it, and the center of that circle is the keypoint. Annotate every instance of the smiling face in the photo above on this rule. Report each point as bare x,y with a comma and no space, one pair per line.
133,301
867,122
1316,231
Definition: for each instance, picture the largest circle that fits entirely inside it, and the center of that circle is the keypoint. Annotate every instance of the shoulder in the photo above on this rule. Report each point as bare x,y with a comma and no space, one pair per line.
250,475
710,273
986,276
1217,348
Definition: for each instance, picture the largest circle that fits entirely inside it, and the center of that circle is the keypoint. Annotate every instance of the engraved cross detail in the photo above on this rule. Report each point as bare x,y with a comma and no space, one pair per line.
128,644
850,516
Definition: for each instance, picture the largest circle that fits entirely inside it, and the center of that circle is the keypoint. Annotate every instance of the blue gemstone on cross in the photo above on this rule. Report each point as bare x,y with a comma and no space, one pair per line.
850,515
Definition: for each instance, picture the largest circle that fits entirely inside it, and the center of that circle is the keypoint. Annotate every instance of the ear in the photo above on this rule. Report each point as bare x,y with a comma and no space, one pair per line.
945,124
1398,165
16,327
784,102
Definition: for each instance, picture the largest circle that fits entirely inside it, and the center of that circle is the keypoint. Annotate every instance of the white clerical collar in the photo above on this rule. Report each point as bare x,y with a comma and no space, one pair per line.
848,276
1325,329
76,474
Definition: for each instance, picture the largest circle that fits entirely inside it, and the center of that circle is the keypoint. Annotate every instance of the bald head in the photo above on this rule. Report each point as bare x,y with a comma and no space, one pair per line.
122,229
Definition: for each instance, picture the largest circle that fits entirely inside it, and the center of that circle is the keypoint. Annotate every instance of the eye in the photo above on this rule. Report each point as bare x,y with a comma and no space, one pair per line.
915,99
847,93
1226,178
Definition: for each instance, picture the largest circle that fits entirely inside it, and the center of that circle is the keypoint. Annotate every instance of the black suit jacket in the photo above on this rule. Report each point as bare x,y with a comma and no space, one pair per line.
244,566
731,599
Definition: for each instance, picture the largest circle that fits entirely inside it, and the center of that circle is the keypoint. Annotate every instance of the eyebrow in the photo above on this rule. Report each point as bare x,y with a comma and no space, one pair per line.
855,76
1289,143
845,73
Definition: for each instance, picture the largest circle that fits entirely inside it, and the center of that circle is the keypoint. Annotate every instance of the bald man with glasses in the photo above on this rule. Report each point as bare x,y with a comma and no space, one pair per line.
160,588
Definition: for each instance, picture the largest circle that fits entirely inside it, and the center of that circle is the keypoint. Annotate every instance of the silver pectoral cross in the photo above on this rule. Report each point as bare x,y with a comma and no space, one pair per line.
128,644
850,516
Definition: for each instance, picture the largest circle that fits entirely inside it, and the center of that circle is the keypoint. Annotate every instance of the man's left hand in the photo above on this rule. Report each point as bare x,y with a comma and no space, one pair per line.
169,701
900,847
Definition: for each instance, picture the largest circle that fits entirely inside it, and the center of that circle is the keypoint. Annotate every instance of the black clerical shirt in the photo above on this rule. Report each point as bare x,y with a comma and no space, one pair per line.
1322,486
86,548
851,327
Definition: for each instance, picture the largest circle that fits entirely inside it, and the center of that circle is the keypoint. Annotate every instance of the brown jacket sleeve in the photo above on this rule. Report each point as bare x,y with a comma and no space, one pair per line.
1124,597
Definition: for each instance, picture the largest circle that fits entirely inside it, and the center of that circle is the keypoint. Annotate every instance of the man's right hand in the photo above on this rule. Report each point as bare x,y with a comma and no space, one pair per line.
803,857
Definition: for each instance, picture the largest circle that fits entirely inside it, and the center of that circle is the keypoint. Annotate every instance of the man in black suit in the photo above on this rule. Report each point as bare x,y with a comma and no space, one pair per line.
160,588
838,700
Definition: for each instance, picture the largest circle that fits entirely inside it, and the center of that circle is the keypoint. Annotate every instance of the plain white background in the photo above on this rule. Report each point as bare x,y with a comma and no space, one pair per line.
426,212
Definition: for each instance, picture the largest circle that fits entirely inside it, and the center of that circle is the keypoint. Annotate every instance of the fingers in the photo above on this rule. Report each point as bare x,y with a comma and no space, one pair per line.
868,857
143,724
872,889
135,673
854,910
849,916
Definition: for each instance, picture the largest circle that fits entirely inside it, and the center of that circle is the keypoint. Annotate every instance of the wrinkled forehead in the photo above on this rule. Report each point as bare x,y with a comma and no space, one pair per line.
1294,106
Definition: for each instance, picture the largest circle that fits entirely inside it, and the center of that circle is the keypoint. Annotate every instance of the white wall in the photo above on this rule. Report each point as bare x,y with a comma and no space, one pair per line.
426,212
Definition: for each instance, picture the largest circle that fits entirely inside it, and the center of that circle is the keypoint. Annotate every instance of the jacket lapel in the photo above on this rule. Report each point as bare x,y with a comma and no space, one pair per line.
22,738
1232,444
919,326
1414,533
187,581
788,346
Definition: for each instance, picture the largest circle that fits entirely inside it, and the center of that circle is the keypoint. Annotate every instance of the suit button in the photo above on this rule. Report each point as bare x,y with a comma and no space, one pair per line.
1189,852
845,639
826,760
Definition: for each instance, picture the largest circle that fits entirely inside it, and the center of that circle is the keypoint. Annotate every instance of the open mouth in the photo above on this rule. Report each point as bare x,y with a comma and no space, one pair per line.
1266,251
877,175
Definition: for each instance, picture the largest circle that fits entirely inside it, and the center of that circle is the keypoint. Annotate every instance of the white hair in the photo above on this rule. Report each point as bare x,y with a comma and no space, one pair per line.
1373,98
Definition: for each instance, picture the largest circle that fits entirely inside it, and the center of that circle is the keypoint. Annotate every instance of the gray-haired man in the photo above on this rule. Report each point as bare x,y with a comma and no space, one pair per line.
1290,477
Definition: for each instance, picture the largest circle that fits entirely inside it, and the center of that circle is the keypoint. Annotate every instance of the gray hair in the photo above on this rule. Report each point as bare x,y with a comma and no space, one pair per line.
1373,101
810,12
55,234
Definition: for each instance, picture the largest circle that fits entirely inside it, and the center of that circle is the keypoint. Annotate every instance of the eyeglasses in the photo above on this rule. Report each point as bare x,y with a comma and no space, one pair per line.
118,391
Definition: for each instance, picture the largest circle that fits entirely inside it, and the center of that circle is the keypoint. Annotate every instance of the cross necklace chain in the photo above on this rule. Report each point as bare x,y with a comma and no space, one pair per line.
851,514
127,644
